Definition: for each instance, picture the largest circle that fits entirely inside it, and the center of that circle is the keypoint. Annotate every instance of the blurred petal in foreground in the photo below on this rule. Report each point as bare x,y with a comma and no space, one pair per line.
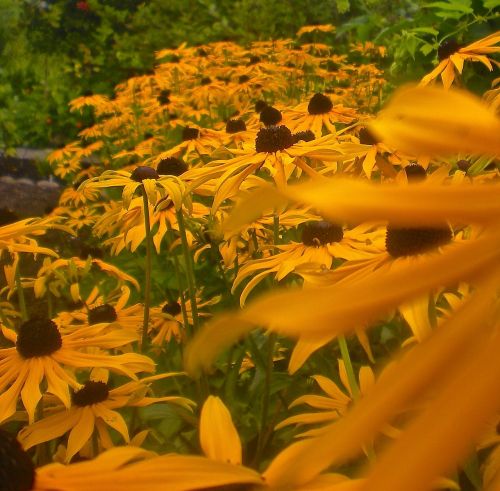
434,121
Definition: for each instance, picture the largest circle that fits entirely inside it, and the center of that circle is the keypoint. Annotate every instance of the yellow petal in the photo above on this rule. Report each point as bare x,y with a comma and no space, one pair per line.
48,428
448,75
150,188
357,201
81,432
30,393
433,442
416,313
420,371
218,436
429,120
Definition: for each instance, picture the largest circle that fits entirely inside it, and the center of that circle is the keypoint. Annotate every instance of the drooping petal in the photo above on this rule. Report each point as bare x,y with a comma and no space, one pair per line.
218,436
81,432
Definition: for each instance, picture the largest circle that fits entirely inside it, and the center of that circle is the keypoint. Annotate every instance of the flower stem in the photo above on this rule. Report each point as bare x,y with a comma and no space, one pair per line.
344,351
188,259
147,283
20,295
180,282
262,440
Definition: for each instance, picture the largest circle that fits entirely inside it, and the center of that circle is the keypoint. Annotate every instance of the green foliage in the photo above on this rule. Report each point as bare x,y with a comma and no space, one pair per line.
55,50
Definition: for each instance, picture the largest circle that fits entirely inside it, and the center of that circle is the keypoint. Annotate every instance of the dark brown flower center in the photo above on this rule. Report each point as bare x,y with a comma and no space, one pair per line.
415,173
401,242
273,139
260,105
91,393
270,116
144,172
102,313
235,126
164,97
172,166
463,165
366,137
306,136
447,48
319,104
91,251
172,308
321,233
17,472
254,59
38,337
206,81
189,133
243,79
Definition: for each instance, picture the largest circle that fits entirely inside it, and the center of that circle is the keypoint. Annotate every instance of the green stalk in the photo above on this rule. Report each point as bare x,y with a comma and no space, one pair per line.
147,285
344,351
263,436
50,309
20,294
177,270
188,259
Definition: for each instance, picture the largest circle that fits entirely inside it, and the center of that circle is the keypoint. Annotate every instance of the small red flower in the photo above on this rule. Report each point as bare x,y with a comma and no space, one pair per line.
83,6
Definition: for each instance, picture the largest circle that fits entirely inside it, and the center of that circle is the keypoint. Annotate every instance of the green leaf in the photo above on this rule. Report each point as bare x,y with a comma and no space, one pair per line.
426,49
343,6
426,30
452,6
491,4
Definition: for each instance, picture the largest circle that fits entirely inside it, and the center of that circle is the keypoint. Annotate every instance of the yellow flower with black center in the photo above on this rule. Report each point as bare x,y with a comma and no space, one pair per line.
322,242
452,57
142,177
41,352
318,114
94,408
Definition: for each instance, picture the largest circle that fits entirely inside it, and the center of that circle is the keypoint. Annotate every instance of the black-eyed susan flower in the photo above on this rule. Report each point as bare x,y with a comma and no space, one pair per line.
336,401
275,150
94,408
97,309
41,352
18,236
322,242
452,57
65,275
167,320
142,177
320,112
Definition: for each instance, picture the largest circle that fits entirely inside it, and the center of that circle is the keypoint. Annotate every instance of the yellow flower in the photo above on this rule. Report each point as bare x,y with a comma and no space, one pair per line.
63,275
167,321
322,242
276,150
314,28
17,236
335,403
94,408
142,177
319,113
41,352
99,309
452,57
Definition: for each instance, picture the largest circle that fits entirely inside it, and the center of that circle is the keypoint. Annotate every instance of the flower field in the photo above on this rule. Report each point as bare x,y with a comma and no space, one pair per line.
267,270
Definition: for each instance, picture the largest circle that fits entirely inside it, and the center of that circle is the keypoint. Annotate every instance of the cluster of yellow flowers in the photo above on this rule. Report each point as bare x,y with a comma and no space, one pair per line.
209,184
